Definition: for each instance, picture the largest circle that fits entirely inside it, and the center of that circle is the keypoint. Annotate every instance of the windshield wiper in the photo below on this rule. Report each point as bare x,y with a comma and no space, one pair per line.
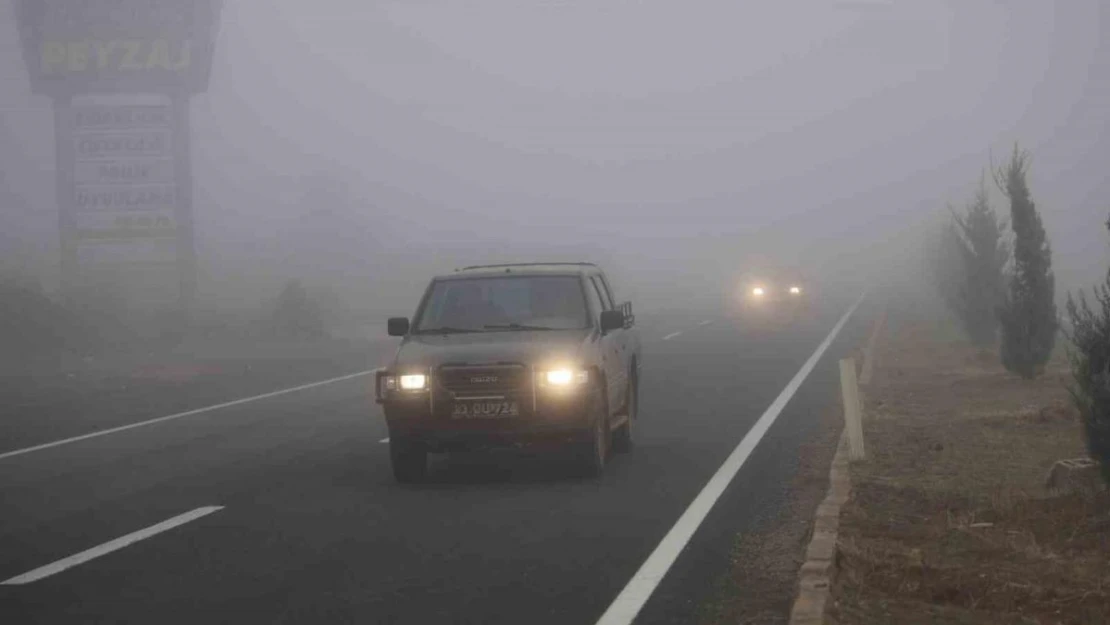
515,326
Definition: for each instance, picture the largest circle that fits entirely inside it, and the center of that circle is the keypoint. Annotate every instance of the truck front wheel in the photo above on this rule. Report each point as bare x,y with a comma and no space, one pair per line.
622,437
409,460
590,456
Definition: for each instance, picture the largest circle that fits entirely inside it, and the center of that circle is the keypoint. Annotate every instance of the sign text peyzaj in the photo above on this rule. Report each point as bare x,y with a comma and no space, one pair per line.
87,46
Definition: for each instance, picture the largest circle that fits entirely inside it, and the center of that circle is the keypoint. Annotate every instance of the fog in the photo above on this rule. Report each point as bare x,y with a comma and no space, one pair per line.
363,146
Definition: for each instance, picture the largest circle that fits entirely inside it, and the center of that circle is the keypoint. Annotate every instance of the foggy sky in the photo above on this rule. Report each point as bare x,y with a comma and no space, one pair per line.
367,144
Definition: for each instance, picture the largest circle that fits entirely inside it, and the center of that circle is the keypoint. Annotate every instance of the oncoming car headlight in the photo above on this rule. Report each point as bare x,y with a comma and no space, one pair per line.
795,290
757,291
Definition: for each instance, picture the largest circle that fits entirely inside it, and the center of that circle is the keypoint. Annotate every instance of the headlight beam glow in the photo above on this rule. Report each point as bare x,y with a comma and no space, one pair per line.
565,377
559,377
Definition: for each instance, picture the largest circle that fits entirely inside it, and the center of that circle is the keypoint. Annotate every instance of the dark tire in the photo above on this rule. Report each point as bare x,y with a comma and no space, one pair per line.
622,436
590,456
409,460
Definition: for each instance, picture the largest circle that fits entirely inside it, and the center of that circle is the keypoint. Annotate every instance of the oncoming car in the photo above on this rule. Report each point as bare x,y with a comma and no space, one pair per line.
774,294
512,356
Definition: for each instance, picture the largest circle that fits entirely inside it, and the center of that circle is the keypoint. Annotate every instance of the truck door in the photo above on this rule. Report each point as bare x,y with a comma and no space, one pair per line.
611,344
610,301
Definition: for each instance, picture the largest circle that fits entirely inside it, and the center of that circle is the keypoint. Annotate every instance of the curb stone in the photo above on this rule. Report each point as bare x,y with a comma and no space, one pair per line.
816,577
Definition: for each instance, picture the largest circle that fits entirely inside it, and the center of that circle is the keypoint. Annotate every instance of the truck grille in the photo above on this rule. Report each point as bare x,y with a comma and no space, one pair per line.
485,380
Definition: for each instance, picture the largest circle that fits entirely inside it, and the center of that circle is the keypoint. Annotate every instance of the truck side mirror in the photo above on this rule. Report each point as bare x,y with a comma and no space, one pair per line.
611,320
398,326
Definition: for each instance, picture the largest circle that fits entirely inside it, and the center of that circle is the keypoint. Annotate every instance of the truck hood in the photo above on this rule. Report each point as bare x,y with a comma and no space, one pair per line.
421,351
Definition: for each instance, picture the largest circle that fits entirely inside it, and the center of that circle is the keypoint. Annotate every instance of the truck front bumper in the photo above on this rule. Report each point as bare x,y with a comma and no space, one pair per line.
546,422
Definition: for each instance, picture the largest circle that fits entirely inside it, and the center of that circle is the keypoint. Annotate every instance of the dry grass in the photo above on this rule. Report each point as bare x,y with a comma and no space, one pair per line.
950,521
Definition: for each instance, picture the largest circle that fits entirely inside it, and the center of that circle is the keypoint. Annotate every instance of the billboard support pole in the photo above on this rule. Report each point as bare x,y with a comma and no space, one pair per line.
63,176
186,241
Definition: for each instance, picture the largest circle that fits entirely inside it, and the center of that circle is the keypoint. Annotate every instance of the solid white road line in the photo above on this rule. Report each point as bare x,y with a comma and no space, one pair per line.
705,323
178,415
628,603
384,440
672,335
108,547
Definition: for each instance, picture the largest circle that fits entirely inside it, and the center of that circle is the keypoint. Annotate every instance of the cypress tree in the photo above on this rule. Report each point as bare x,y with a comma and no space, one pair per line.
982,282
1027,314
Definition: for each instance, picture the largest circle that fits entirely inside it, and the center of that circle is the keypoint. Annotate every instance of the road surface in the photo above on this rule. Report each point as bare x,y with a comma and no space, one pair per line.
282,509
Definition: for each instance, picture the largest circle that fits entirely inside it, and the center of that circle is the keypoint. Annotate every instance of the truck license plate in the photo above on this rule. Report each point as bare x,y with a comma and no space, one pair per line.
484,409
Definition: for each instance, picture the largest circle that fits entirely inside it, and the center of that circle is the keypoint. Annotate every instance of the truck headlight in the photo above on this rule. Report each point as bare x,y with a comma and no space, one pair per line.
410,382
565,377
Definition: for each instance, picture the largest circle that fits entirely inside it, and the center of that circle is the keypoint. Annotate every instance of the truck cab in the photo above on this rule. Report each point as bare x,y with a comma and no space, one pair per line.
516,355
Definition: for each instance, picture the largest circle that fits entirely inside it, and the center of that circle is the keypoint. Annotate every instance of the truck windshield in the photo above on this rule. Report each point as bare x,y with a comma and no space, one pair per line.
504,304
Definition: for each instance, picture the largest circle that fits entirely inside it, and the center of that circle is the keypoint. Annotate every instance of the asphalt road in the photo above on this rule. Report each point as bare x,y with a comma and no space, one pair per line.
312,528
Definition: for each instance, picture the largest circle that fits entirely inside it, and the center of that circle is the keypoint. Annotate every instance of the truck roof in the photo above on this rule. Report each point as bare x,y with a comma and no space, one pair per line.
569,268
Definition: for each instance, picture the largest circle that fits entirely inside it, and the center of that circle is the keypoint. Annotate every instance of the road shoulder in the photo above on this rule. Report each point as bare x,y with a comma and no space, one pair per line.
949,518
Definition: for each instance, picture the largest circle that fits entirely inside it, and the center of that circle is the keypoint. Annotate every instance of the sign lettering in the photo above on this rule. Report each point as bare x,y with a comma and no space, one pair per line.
130,198
120,117
124,171
117,55
118,46
146,143
124,225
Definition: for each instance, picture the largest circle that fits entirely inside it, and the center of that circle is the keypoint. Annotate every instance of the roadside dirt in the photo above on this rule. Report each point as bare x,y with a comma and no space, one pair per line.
762,584
950,520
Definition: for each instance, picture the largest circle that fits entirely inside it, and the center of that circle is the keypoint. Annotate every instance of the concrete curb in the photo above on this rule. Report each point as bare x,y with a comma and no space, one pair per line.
818,573
816,577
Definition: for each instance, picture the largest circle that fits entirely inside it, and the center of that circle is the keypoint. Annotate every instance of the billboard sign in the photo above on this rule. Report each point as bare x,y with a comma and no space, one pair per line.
124,200
87,46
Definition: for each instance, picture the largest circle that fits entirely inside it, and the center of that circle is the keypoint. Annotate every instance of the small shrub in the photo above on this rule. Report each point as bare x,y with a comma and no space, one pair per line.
296,314
31,323
1090,361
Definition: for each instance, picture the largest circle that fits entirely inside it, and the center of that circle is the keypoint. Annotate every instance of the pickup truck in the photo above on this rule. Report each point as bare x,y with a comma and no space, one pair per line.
512,356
